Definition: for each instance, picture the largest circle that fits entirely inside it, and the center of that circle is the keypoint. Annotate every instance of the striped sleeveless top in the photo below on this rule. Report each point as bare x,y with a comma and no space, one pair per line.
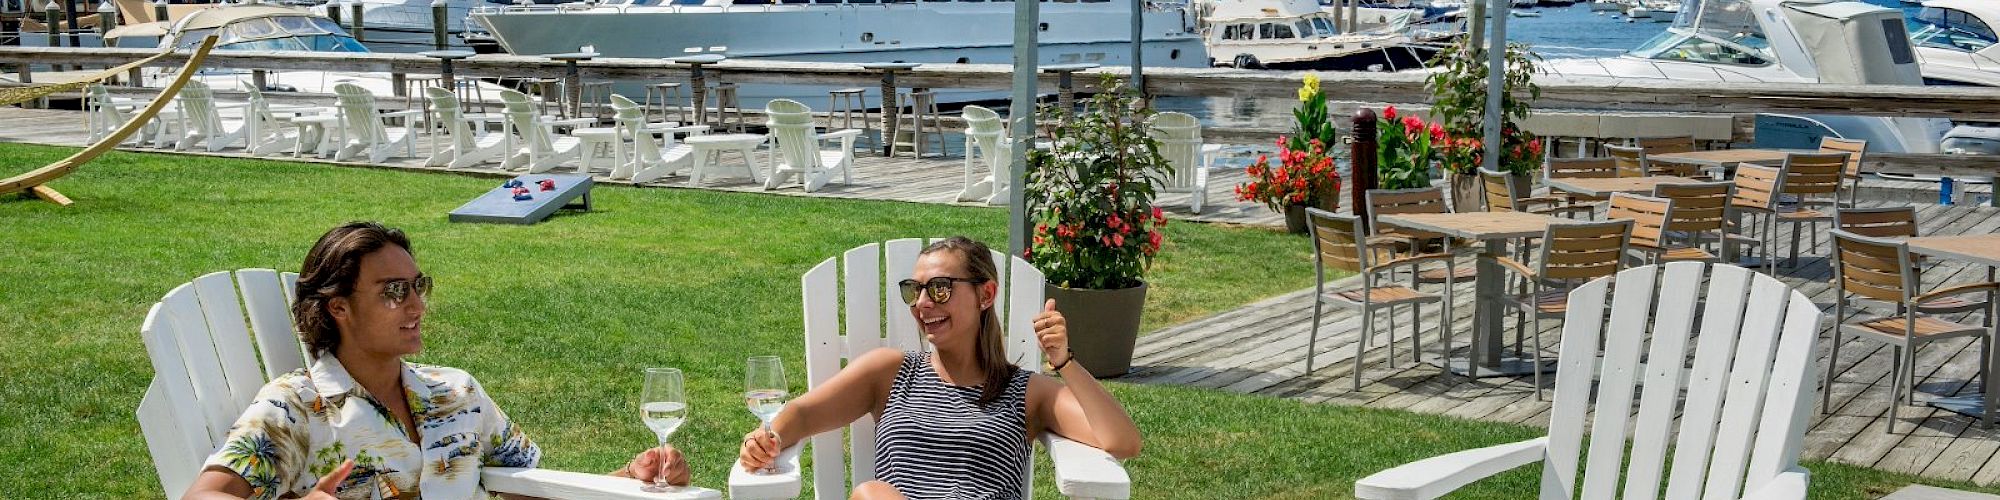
934,440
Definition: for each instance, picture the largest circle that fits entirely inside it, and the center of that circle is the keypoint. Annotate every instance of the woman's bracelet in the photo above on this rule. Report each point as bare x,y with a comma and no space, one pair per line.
1072,357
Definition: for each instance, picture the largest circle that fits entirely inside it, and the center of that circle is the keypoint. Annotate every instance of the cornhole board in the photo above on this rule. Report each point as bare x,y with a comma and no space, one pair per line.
498,206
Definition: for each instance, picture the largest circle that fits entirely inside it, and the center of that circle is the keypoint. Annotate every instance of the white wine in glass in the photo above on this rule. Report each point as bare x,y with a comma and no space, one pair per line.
765,391
663,406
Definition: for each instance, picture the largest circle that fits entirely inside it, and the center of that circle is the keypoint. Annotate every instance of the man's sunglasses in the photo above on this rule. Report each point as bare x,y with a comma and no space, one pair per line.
939,288
395,293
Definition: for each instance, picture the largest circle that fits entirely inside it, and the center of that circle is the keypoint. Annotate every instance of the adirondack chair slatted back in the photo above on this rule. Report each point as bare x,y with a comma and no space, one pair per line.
198,104
1882,222
358,111
450,115
1756,187
206,363
521,116
1179,135
792,124
1631,161
1648,214
1577,251
1698,207
630,119
1582,168
1752,367
861,285
981,121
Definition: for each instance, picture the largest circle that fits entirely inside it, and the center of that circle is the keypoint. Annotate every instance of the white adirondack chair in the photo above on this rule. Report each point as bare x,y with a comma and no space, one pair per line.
985,135
1081,471
206,371
267,132
1180,142
542,150
463,146
651,159
368,129
1752,369
104,113
798,146
205,126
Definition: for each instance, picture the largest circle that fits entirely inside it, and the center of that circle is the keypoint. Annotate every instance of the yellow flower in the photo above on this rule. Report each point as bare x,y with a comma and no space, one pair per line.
1305,94
1312,83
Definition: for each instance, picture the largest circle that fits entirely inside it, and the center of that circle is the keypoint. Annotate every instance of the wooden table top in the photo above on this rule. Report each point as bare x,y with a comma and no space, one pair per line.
1727,157
1976,248
1600,187
1475,225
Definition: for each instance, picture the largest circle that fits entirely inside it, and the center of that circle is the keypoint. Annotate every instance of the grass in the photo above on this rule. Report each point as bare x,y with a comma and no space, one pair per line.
557,320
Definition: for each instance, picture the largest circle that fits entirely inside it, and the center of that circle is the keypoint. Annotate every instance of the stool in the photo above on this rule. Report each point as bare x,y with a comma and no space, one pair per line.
670,93
547,91
593,95
726,108
848,105
921,125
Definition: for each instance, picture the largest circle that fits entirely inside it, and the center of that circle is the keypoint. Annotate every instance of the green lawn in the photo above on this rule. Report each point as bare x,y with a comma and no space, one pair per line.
557,320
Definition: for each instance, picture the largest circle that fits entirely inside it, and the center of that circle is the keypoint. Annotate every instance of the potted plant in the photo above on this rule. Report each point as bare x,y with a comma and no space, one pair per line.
1305,175
1405,150
1096,227
1458,92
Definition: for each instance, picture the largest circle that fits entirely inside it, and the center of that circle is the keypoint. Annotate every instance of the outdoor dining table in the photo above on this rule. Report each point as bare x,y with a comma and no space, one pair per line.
1489,298
1726,159
1977,249
1605,186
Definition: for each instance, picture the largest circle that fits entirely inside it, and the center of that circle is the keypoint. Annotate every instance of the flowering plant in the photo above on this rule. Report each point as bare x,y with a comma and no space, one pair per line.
1458,88
1091,193
1305,174
1405,150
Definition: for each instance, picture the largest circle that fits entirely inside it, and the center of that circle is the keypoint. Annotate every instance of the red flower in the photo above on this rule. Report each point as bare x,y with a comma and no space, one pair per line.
1437,132
1117,240
1389,112
1535,147
1039,241
1106,239
1153,238
1159,214
1069,247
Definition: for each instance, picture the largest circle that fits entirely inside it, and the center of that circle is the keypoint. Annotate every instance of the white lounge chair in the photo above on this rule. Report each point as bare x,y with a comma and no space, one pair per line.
268,132
1180,142
463,145
860,275
1752,370
650,159
541,150
206,371
203,115
798,148
985,138
103,114
367,128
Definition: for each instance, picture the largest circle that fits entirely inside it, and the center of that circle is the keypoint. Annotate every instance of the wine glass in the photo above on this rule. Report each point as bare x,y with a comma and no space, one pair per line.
663,406
764,390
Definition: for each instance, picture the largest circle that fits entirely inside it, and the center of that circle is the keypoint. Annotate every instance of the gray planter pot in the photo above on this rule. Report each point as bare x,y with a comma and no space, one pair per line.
1103,325
1467,194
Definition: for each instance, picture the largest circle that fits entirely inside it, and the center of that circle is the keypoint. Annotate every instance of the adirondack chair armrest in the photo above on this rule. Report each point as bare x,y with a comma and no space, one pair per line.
785,483
1086,472
545,483
1434,477
1790,484
846,137
678,129
572,122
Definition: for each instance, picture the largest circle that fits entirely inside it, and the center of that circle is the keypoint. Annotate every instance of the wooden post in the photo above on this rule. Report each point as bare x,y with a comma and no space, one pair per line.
440,23
399,84
107,19
1361,163
259,80
359,32
70,12
891,113
54,19
332,11
160,10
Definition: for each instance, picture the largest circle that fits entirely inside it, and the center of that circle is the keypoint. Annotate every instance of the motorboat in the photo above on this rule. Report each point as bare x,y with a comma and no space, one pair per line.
263,27
404,25
1783,41
1300,35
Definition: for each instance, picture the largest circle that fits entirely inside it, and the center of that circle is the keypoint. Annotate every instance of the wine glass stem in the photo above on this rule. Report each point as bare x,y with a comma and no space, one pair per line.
770,468
660,477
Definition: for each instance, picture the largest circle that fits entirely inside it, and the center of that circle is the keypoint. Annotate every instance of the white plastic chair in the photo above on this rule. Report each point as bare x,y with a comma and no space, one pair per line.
798,146
543,151
202,116
860,274
103,114
1180,142
1752,369
368,129
650,159
206,371
464,147
985,135
266,132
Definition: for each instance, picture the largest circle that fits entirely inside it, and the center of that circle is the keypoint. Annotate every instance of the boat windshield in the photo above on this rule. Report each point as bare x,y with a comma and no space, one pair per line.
1731,21
1950,29
303,33
1677,45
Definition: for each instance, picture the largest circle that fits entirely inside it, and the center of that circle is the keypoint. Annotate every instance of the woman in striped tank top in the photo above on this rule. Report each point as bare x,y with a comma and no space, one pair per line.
956,423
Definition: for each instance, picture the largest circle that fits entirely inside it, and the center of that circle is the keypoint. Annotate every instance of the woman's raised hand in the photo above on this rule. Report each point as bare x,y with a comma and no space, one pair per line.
760,449
1052,331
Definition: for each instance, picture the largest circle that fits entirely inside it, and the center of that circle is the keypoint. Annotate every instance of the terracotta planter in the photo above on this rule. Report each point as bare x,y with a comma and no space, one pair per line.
1103,325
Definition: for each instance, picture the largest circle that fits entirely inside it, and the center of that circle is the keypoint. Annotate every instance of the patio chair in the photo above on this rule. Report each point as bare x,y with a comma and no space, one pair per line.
1809,190
103,114
1503,194
463,146
368,130
1428,200
985,139
1338,242
1755,194
1700,215
1631,160
1851,176
1901,222
206,370
541,150
1575,252
1881,272
203,115
651,159
798,148
1179,135
267,132
837,330
1580,168
1752,368
1665,144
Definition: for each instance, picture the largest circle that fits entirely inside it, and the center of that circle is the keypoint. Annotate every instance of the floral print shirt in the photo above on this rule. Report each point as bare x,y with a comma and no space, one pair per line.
305,423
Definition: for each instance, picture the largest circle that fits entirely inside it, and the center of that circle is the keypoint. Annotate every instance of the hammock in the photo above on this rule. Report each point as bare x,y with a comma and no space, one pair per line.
17,95
32,182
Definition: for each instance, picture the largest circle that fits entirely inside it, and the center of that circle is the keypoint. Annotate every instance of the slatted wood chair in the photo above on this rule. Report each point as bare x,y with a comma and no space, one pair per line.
838,330
984,134
1752,361
1630,160
1901,222
1572,253
1809,189
1649,216
799,151
1501,190
1665,144
367,128
1755,195
1851,176
460,146
1428,200
1581,168
209,362
1880,274
206,128
1700,215
1339,243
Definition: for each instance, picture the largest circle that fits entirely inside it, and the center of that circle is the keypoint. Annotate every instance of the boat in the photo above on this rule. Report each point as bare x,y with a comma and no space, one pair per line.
1662,11
1638,12
1522,4
857,31
1782,41
1606,6
262,27
404,26
1526,13
1299,35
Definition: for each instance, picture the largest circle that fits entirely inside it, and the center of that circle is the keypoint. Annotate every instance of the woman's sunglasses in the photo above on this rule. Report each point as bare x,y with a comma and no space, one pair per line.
939,288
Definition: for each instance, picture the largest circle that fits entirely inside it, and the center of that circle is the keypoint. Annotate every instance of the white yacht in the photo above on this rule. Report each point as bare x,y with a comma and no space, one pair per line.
1299,35
1956,43
267,27
1783,41
403,25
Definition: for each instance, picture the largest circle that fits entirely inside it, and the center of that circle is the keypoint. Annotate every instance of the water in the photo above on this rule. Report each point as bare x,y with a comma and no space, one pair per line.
663,417
766,403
